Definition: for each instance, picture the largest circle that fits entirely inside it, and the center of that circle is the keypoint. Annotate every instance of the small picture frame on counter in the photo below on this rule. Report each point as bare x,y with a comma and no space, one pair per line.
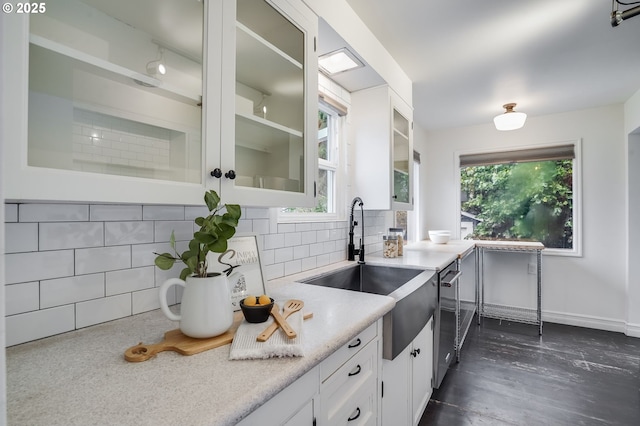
242,265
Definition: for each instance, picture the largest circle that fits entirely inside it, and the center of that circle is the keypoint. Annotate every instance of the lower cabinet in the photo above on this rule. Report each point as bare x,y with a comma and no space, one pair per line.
342,390
293,406
407,381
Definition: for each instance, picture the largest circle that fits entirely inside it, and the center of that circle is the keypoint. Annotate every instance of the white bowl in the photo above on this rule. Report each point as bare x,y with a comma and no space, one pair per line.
439,236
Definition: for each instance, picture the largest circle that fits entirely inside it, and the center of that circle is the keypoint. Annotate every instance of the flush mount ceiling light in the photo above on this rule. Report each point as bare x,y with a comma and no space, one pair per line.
338,61
617,17
510,120
157,66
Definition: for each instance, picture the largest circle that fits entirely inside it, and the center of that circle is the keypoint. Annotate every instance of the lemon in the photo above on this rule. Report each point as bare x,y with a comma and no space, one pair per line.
250,301
264,300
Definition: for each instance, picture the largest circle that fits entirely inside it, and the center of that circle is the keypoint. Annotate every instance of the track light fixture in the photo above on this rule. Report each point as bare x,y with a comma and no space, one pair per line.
617,17
157,66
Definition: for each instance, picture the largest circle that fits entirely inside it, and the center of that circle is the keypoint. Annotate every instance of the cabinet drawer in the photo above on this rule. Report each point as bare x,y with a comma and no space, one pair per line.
342,355
358,411
342,392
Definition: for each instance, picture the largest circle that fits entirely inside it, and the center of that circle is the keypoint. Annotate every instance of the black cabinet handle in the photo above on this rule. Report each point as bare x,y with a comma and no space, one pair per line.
216,173
355,345
231,174
355,416
358,370
415,352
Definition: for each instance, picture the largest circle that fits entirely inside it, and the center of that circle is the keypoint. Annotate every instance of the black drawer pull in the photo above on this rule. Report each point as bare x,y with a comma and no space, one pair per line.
355,416
358,370
415,352
355,345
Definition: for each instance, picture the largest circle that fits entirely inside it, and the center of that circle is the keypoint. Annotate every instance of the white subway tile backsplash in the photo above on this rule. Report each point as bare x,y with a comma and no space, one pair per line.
34,266
308,237
309,263
292,267
21,298
274,271
315,249
117,233
260,226
300,252
20,237
102,310
35,325
69,235
323,260
145,300
53,212
283,254
273,241
192,212
130,280
322,235
304,226
163,212
63,291
183,230
102,259
96,262
286,227
107,212
256,213
292,239
10,213
143,254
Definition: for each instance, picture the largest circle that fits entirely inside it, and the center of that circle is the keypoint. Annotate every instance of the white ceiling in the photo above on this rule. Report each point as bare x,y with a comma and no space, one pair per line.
467,58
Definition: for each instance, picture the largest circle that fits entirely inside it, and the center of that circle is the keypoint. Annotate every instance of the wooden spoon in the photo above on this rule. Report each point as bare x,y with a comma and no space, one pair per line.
290,307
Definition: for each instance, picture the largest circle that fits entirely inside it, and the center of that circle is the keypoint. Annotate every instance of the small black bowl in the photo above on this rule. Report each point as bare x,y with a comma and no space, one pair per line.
257,313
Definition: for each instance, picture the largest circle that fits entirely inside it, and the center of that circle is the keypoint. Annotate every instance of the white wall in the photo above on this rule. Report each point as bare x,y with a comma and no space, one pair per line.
589,290
632,131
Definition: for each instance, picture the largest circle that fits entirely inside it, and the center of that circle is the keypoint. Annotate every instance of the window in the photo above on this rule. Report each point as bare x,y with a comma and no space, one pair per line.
526,194
330,121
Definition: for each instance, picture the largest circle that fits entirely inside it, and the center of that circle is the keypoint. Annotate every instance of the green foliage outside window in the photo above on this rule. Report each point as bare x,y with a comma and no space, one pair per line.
523,201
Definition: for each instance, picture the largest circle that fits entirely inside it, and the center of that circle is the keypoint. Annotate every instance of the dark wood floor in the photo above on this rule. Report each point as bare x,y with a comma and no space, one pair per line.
509,375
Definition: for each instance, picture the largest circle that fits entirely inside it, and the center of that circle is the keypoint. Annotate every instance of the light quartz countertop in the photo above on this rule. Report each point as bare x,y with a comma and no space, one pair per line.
82,378
428,255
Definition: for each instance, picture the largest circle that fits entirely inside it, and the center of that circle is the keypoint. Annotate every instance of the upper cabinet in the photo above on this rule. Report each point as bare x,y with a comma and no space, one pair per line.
120,101
382,156
270,151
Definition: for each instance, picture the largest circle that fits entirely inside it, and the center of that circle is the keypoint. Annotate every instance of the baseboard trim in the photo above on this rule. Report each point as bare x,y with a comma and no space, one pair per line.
587,321
633,330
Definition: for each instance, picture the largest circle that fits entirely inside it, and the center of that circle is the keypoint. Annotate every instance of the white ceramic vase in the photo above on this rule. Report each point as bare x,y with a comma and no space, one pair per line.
206,309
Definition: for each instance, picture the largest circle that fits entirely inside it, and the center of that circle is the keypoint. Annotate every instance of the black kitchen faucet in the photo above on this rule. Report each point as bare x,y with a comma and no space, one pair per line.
352,251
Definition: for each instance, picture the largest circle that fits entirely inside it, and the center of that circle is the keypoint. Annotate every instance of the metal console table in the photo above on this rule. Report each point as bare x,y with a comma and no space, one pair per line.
502,312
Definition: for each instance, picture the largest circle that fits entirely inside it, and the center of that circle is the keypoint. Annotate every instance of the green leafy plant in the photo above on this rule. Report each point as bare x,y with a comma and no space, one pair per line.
214,232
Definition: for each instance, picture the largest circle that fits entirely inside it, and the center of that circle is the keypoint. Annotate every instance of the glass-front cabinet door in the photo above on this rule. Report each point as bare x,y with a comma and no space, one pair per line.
401,158
113,100
275,104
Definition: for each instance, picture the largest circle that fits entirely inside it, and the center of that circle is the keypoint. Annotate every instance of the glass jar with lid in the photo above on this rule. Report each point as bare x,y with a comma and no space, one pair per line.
389,246
399,233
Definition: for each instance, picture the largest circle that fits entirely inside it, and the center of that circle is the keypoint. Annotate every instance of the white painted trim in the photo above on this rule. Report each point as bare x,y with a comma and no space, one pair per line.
586,321
633,330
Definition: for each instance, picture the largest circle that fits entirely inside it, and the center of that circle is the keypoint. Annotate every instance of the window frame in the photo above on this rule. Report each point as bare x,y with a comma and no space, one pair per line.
576,250
336,150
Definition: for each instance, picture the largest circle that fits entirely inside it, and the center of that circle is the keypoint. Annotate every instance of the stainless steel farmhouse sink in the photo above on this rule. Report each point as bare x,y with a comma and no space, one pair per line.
415,291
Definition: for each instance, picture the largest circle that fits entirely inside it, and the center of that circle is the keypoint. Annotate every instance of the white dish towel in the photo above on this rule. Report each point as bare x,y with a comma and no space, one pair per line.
245,345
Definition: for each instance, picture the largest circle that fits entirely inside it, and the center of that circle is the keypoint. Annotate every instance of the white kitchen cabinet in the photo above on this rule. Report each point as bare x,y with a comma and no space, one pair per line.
407,381
382,126
91,120
293,406
349,391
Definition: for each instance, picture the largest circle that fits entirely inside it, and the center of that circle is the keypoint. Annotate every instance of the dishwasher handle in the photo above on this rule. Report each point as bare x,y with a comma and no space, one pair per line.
448,282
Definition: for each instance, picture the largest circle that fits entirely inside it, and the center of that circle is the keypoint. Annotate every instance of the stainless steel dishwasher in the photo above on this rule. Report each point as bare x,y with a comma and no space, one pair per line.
446,322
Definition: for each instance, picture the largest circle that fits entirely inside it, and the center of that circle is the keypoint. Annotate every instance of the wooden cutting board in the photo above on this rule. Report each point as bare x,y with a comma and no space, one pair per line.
175,341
